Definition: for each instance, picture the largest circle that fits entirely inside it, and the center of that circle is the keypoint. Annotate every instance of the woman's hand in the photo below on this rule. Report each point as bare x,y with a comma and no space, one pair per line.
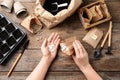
81,59
48,55
81,56
49,46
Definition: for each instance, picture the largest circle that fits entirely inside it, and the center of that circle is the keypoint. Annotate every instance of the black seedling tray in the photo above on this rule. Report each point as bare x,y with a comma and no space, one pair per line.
11,37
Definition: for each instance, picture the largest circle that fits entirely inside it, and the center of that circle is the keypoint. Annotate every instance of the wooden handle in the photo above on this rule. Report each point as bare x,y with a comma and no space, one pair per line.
15,63
104,40
110,32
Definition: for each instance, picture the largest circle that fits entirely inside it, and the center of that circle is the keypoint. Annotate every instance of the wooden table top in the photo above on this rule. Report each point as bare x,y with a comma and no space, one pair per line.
64,68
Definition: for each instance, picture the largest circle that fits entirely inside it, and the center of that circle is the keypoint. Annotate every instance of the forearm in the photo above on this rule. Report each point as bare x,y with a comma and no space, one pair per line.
90,73
40,71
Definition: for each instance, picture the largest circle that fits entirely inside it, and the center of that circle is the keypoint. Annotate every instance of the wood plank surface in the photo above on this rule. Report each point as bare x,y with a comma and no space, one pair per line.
64,63
61,76
22,0
64,68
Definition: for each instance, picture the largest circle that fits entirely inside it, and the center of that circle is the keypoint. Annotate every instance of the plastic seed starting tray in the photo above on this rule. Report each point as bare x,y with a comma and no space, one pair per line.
11,37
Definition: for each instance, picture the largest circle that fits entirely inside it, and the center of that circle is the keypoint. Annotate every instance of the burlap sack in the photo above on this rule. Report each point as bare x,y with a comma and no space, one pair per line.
51,20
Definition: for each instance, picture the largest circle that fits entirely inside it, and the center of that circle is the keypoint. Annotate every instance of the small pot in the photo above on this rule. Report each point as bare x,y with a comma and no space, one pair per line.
6,5
20,10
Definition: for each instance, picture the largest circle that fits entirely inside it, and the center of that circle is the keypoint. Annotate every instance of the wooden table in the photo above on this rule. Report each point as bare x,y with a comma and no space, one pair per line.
64,68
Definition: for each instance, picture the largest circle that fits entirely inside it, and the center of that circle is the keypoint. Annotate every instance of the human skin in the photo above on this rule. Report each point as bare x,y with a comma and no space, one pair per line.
80,58
40,71
82,61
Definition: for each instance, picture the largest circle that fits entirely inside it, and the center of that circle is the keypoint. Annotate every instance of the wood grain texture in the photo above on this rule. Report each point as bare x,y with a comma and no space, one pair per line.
31,58
22,0
64,68
61,76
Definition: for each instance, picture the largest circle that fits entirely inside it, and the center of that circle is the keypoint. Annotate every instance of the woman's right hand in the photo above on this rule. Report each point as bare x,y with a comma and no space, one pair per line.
81,56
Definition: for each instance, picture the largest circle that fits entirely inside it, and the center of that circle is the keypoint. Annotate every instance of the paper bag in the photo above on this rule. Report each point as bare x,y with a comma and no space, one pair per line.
50,20
31,23
93,37
66,46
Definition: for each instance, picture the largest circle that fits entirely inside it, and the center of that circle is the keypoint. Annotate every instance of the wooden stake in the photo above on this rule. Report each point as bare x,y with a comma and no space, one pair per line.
110,32
15,63
104,40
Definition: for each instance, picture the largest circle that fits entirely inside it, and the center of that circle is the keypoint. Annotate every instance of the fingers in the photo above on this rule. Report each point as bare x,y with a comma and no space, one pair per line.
55,38
51,36
78,44
57,43
76,49
73,56
82,48
44,43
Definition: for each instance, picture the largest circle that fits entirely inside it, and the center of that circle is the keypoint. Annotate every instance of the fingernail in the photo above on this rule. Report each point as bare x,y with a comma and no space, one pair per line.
45,39
58,36
75,40
56,33
53,32
73,43
59,40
